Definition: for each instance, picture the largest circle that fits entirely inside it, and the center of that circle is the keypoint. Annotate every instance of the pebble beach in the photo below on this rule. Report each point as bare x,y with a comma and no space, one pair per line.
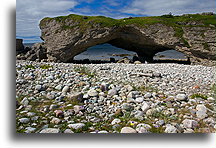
114,98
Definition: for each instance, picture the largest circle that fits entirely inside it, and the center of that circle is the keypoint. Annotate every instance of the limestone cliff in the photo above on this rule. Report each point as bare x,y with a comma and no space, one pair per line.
194,35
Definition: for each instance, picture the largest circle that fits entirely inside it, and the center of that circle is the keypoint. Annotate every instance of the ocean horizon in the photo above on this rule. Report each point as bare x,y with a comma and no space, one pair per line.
106,51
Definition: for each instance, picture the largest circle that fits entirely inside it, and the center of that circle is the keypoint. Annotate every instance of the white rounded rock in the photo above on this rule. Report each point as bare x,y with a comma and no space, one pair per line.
50,130
29,129
211,99
65,89
115,121
201,111
38,87
68,131
143,128
128,130
201,114
145,107
148,95
25,101
24,120
187,123
78,108
139,99
201,107
103,132
58,87
181,97
112,92
170,129
30,114
55,120
92,93
76,125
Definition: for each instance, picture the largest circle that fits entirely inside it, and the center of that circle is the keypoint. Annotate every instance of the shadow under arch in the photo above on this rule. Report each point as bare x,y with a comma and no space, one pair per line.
107,53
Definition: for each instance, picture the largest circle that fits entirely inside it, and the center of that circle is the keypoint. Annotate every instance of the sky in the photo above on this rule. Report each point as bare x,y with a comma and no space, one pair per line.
30,12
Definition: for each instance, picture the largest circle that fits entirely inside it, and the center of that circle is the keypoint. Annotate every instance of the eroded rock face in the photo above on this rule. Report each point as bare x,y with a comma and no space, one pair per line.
63,41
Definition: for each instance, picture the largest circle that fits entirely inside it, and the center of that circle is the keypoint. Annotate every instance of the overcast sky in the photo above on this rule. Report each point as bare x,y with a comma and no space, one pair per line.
30,12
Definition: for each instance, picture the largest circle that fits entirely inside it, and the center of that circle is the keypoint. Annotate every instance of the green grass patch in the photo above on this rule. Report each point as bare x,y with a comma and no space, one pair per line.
44,66
206,46
156,130
74,102
29,66
213,89
168,15
84,71
198,95
144,89
20,98
102,21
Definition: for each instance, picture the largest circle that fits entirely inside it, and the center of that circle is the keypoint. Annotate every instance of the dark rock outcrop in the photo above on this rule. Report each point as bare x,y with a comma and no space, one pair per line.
66,37
19,45
37,52
21,49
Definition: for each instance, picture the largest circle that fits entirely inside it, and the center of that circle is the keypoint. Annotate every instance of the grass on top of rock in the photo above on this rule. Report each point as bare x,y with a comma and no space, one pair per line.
176,22
204,20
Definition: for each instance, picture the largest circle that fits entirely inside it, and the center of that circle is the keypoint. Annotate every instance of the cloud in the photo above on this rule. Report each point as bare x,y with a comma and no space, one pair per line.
30,12
86,1
112,2
160,7
104,8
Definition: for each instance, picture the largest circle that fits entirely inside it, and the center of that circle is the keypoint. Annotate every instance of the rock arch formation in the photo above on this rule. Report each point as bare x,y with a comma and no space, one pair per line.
67,37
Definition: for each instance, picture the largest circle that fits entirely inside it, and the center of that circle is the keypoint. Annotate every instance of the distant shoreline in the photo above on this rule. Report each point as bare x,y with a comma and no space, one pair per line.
28,44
